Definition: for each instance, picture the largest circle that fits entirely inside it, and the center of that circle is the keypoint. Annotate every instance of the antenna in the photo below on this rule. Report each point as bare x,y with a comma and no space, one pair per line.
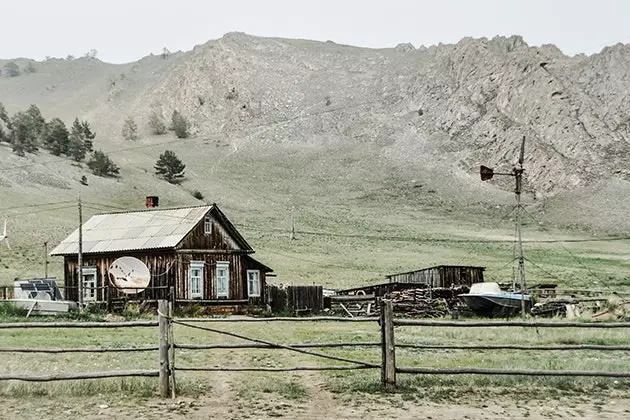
517,172
4,237
129,275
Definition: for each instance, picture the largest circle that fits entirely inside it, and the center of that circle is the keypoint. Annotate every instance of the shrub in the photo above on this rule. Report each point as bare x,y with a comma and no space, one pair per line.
130,129
179,125
101,165
197,194
156,124
11,69
169,167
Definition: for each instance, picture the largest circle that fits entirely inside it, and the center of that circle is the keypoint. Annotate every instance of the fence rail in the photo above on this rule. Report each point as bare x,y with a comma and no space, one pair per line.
166,347
390,369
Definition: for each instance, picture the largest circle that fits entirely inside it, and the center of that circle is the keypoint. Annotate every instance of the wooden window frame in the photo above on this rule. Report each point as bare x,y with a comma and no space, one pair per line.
207,225
249,283
196,265
220,266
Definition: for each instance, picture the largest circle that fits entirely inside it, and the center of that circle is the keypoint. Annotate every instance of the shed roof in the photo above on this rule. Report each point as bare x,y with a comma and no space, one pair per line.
142,230
437,266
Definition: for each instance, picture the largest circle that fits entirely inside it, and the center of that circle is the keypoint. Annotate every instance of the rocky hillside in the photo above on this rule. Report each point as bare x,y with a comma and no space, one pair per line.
447,106
353,144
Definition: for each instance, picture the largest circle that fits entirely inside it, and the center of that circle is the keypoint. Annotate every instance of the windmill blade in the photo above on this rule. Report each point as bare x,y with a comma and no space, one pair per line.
521,157
6,241
5,229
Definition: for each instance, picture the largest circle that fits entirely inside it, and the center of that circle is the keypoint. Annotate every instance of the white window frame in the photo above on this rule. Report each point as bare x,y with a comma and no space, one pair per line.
223,282
207,225
250,282
90,291
197,293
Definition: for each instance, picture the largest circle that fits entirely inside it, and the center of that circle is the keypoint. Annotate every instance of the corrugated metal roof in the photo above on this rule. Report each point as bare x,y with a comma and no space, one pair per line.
129,231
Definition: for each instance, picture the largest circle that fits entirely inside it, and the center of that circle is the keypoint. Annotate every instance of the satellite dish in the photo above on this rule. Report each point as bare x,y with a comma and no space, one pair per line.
129,275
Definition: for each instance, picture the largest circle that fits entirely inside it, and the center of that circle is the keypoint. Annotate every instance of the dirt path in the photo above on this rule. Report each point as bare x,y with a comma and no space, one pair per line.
220,403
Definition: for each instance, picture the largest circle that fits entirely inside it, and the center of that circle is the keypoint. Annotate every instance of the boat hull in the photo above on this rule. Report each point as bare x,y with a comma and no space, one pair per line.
496,304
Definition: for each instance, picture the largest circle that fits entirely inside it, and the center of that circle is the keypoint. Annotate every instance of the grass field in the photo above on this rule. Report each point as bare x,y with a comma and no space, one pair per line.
307,394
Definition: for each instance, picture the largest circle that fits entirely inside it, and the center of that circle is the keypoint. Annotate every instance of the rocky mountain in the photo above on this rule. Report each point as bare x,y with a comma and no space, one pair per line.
327,128
455,105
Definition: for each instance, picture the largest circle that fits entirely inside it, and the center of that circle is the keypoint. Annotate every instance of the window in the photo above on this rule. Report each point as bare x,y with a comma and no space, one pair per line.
89,284
207,225
195,280
223,279
253,283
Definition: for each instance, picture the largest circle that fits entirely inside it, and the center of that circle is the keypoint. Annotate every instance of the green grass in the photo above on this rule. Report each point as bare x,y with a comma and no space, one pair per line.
292,387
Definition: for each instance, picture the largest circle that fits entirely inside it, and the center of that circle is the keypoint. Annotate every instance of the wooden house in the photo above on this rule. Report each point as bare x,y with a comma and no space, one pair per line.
196,251
440,276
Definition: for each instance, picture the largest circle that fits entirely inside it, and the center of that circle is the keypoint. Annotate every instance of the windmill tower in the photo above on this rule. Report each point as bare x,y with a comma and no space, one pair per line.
517,172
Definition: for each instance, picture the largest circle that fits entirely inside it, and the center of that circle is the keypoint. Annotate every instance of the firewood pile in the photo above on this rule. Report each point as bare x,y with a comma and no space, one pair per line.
427,303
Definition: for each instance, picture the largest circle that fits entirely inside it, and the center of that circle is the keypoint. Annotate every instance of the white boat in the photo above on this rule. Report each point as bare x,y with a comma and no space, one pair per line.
488,299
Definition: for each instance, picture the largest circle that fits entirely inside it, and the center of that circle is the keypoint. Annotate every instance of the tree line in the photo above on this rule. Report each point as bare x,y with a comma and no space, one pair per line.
28,131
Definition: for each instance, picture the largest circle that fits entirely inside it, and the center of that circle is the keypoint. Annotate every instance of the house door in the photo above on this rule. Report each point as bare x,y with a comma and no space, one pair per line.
89,284
195,280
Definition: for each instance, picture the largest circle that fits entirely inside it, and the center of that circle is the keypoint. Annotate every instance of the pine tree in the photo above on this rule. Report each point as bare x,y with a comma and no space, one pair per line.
23,136
80,140
169,167
179,125
101,165
130,129
56,137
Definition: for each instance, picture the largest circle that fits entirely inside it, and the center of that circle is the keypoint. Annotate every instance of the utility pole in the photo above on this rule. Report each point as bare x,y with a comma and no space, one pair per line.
292,236
80,281
46,259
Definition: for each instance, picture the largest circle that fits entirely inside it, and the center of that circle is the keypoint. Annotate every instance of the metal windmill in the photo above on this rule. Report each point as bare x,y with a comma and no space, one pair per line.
517,172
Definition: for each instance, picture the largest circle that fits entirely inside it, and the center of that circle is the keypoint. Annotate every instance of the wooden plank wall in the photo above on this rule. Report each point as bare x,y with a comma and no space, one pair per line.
443,276
162,267
295,298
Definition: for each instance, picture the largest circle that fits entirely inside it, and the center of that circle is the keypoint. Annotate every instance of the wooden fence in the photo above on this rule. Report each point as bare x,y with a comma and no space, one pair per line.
296,299
166,348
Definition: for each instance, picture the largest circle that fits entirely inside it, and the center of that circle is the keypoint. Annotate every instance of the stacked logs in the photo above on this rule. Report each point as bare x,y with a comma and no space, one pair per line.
427,303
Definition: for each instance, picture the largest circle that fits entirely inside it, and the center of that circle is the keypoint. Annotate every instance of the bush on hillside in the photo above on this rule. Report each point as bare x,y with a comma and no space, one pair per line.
179,125
101,165
130,129
169,167
156,124
11,69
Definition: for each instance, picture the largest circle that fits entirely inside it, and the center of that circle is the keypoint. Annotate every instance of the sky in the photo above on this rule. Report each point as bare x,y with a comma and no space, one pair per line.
127,30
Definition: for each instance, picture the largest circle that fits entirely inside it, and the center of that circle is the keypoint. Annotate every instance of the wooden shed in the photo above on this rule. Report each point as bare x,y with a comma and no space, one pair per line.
440,276
196,251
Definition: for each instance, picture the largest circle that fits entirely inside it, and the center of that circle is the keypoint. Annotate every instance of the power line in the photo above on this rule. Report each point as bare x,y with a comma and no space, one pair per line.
36,205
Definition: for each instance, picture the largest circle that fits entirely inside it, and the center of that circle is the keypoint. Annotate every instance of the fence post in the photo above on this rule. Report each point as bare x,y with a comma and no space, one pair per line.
164,347
388,347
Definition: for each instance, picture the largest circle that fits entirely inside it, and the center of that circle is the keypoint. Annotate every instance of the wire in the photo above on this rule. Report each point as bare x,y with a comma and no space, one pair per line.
577,260
37,205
